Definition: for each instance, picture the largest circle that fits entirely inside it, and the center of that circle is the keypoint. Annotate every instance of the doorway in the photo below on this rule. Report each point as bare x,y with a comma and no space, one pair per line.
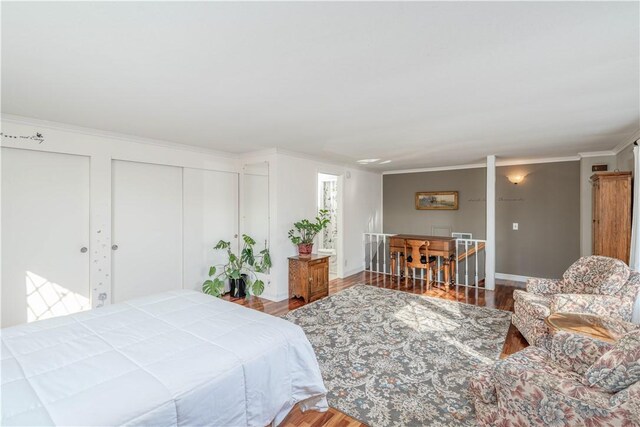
330,239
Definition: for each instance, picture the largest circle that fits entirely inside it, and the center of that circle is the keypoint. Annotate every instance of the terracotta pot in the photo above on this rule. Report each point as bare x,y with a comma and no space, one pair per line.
304,249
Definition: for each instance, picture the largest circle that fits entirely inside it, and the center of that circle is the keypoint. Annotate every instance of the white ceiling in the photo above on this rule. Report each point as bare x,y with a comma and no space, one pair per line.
421,84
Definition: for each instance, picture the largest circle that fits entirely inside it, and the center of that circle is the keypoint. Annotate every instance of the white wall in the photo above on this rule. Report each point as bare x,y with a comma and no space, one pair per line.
624,159
102,148
296,198
292,191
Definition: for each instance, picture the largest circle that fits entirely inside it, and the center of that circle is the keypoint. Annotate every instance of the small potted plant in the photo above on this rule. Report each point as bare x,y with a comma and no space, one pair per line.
305,231
240,270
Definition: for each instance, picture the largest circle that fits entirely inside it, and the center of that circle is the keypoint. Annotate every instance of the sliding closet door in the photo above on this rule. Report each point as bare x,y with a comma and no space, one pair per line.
147,229
210,215
45,235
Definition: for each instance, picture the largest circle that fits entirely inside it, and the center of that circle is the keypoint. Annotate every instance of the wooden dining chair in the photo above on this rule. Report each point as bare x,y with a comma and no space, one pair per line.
415,259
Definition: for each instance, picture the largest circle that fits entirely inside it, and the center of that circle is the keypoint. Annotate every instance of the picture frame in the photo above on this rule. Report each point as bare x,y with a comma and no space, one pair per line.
437,200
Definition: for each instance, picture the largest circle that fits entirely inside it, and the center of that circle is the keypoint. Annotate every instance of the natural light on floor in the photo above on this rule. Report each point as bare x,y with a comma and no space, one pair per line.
47,299
421,318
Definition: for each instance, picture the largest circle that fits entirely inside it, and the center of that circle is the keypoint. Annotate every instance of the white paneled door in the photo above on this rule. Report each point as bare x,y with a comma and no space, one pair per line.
45,235
210,215
146,229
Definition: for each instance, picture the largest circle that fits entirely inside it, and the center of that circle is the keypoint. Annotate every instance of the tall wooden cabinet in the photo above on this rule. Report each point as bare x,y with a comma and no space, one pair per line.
309,277
611,226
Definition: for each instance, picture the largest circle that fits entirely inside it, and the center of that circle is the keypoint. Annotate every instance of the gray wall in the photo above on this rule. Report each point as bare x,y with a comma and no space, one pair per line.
546,206
401,216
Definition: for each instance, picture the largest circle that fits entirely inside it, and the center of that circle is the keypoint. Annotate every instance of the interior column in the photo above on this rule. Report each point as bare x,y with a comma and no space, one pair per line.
490,248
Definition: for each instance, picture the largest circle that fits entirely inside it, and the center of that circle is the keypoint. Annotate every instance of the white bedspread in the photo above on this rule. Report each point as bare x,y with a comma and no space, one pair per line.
176,358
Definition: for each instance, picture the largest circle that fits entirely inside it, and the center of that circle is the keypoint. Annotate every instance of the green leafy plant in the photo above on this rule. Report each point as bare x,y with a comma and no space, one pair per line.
305,231
246,264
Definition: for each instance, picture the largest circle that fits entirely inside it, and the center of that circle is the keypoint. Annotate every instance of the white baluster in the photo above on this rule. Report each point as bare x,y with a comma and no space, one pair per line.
384,254
476,255
466,263
371,253
457,258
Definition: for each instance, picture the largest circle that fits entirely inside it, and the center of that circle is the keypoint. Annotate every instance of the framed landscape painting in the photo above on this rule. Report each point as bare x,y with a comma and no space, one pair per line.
437,200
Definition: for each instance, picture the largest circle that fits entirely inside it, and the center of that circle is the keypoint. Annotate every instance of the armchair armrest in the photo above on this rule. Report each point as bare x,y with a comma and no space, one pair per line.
576,352
483,387
601,305
540,286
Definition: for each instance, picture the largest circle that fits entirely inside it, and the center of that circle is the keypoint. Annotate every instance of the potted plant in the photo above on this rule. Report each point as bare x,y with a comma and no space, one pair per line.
240,270
305,231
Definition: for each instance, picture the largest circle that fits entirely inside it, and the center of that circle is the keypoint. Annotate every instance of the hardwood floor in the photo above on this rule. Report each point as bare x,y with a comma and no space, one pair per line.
501,298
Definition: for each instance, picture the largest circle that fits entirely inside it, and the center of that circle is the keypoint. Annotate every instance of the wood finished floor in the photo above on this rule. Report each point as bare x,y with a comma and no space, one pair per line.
501,298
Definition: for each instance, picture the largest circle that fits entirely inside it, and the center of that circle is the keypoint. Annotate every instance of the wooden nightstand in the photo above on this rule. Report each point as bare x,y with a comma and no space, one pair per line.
309,277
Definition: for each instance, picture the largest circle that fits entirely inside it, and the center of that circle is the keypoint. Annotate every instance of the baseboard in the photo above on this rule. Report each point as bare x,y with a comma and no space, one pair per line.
351,272
275,298
512,277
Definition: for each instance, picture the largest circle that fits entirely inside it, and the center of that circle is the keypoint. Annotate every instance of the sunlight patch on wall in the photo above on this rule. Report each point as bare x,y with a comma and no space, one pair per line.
46,299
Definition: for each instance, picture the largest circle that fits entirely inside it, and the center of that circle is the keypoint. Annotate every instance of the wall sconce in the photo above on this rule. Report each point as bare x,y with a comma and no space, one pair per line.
515,179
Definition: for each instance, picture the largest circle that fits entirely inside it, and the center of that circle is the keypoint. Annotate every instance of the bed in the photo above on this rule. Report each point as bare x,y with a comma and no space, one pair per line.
175,358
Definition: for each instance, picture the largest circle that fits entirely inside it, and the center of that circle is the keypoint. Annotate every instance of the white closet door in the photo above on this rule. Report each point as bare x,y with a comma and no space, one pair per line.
210,215
147,229
45,235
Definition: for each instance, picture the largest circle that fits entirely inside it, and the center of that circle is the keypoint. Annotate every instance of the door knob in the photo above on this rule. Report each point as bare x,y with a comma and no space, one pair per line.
83,249
114,247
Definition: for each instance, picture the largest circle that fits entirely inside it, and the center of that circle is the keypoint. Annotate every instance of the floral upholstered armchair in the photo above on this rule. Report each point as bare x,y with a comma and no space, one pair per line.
579,382
593,284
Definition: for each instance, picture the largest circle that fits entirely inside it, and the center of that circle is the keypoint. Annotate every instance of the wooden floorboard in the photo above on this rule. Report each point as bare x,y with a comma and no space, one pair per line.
501,298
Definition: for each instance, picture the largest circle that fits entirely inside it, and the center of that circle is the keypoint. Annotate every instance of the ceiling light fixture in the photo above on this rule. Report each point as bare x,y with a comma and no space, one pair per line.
367,161
385,162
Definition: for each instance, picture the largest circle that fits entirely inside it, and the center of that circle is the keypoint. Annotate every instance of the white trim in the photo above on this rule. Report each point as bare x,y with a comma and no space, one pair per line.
435,169
536,161
328,160
490,245
353,271
27,121
512,277
513,162
618,148
258,153
597,154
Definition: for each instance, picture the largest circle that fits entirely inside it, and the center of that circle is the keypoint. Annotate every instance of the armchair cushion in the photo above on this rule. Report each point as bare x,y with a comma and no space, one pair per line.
533,390
618,368
577,352
596,275
601,305
541,286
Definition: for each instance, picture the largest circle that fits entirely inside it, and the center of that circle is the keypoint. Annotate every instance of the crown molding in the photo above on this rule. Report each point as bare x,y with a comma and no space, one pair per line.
324,159
435,169
618,148
258,153
587,154
64,127
506,162
536,161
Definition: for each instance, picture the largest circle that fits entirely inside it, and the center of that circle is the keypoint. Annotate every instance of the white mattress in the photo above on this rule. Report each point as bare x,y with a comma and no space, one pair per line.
176,358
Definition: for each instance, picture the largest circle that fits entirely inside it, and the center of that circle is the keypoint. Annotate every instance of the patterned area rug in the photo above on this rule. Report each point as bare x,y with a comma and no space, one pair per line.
392,358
